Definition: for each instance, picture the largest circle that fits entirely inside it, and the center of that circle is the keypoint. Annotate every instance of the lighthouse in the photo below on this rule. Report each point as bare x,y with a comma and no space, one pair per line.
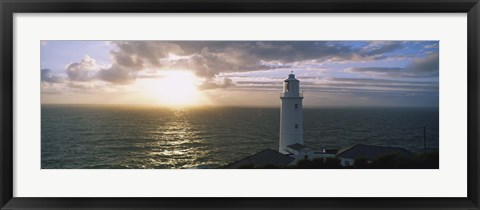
291,114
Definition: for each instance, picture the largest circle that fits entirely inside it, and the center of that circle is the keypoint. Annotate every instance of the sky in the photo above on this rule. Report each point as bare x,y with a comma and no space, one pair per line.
240,73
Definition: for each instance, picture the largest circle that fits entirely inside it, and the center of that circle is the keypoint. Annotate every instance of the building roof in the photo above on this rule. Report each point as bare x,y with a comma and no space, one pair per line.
291,77
371,152
297,146
263,158
331,151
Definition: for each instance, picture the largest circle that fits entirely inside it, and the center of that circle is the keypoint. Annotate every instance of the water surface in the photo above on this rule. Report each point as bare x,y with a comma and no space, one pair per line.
89,136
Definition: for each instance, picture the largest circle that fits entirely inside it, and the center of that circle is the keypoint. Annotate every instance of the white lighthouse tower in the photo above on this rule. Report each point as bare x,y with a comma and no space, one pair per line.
291,114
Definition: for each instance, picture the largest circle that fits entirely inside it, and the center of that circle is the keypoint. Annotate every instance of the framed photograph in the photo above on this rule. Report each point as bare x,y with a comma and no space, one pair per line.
239,105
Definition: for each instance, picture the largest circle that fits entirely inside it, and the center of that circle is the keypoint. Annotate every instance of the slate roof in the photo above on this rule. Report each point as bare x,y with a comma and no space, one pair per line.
297,146
263,158
371,152
331,151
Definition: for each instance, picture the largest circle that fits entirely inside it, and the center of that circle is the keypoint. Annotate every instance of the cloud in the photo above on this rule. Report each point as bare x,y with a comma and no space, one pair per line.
430,46
344,85
208,59
137,55
279,83
418,68
117,75
52,88
81,85
377,87
82,71
209,84
428,64
375,69
379,48
46,75
379,81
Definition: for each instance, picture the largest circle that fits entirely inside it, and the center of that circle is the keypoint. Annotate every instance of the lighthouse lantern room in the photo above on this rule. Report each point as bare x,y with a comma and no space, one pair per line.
291,114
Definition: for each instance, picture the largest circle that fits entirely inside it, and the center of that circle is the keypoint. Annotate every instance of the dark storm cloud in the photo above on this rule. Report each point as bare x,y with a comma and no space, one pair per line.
418,68
46,75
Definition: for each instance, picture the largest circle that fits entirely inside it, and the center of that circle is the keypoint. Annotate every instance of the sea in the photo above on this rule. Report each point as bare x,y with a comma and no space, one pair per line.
146,137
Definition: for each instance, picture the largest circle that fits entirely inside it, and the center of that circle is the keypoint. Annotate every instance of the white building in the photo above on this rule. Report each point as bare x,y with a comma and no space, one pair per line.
291,124
291,114
369,153
300,152
291,148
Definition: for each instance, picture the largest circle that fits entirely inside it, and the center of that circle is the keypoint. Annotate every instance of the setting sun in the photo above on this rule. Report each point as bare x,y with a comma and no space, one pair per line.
173,88
253,104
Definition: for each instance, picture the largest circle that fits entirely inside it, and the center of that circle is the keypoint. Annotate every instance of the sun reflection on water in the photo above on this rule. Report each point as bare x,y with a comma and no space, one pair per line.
178,143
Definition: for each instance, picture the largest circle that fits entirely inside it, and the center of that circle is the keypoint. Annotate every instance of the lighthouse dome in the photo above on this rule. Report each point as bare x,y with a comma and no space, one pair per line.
291,77
291,87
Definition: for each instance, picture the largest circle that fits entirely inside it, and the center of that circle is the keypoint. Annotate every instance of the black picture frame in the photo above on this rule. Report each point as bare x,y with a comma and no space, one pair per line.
10,7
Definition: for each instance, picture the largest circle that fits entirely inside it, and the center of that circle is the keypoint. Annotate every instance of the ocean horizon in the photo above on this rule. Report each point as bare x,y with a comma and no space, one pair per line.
140,137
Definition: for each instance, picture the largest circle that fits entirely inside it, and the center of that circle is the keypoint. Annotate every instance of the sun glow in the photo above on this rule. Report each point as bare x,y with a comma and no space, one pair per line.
173,88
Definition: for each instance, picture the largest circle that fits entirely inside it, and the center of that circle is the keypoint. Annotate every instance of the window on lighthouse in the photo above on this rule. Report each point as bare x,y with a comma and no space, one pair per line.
296,125
296,106
286,87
